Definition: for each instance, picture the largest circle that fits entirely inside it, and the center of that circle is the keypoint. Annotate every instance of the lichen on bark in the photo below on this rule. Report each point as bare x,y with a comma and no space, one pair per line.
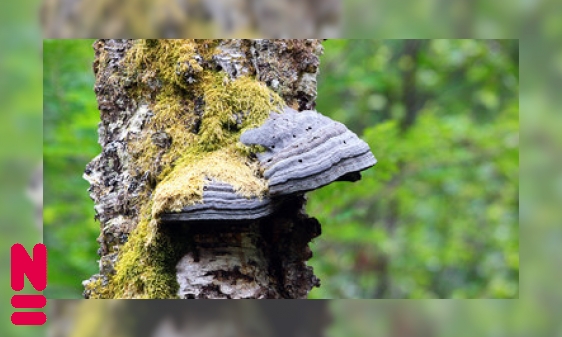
172,112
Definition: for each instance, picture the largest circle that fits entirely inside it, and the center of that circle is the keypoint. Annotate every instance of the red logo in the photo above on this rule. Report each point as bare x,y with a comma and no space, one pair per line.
36,271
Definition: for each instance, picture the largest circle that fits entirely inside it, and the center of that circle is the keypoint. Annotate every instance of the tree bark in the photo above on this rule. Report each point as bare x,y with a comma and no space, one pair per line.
264,258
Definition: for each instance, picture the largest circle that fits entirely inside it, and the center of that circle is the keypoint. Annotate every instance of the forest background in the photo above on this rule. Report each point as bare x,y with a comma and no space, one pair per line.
437,217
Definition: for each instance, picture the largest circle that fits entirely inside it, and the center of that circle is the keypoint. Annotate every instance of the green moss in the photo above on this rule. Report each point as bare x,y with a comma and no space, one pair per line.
179,169
231,106
98,290
184,185
146,267
168,60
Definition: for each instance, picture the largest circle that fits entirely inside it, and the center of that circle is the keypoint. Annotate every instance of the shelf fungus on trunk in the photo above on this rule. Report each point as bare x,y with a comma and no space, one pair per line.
303,151
307,150
221,202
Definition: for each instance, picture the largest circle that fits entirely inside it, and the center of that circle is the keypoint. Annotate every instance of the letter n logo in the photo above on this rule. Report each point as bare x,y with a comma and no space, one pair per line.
36,271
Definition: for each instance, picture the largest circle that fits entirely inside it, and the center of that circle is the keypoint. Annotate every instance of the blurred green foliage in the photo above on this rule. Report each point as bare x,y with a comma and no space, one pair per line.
443,318
437,217
69,142
432,18
20,145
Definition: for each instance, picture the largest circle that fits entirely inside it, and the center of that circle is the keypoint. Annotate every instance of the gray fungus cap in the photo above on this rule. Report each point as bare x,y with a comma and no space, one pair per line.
307,150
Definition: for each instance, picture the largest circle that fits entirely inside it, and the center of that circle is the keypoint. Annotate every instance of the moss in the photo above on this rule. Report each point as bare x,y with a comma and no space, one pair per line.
180,157
169,60
98,289
184,185
231,106
146,267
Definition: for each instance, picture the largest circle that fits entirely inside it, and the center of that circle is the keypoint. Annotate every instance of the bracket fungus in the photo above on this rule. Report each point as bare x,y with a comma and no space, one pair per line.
307,150
303,151
221,202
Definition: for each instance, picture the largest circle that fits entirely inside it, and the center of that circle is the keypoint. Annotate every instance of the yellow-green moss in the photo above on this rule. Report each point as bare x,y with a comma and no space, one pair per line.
98,290
167,59
184,185
224,100
146,268
146,263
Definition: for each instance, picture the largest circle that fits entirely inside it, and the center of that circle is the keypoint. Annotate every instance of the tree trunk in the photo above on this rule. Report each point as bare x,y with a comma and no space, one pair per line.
172,105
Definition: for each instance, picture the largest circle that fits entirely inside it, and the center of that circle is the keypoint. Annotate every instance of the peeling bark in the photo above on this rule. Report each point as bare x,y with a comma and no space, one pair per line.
263,258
